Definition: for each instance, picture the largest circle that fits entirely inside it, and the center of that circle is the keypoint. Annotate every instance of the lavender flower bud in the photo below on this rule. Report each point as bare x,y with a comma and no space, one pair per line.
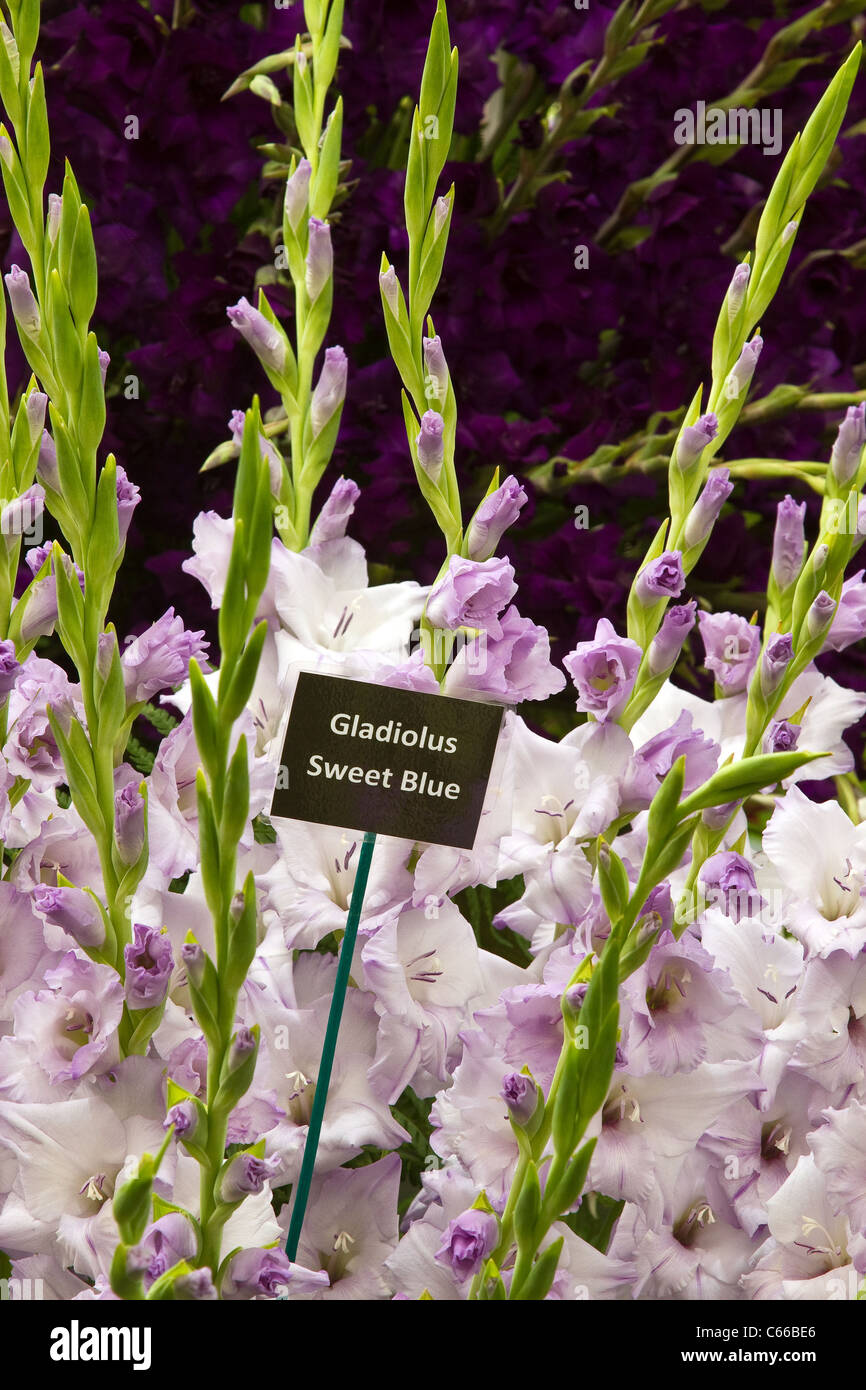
320,258
297,194
661,578
149,965
7,153
55,210
34,407
441,209
694,439
468,1241
717,817
845,458
493,517
246,1175
46,464
260,333
242,1046
789,542
737,290
776,658
520,1094
820,614
704,514
184,1116
106,643
104,364
431,444
390,288
667,644
743,370
330,389
435,369
129,823
734,879
128,498
781,737
23,301
73,911
194,961
196,1287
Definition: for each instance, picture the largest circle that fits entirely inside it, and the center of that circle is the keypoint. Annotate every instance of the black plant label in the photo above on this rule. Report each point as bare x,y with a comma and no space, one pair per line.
370,757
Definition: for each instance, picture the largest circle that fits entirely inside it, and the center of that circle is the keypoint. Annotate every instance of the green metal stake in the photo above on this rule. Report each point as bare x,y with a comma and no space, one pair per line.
347,950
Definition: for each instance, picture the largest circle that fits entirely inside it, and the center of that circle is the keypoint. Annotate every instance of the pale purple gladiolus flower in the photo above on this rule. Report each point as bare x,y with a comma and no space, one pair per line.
320,257
160,657
71,909
468,1241
681,740
731,646
472,593
845,457
789,542
247,1174
431,444
775,661
604,671
849,624
820,613
330,389
197,1286
740,375
704,514
493,517
260,333
734,878
149,965
297,194
24,304
661,578
513,668
781,736
435,369
520,1094
668,642
9,667
259,1273
128,498
129,822
694,439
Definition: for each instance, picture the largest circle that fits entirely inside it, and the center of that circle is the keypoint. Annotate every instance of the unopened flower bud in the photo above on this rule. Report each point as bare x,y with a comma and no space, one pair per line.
46,464
845,457
330,389
55,211
320,257
737,289
661,578
789,542
704,514
246,1175
781,737
468,1241
390,287
34,407
694,439
23,301
260,333
73,911
185,1118
149,966
520,1094
740,375
435,369
129,823
297,194
820,614
441,209
775,659
194,960
431,444
104,364
667,644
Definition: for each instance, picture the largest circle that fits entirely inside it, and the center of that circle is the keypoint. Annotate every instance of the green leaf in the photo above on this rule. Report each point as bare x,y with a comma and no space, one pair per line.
540,1279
